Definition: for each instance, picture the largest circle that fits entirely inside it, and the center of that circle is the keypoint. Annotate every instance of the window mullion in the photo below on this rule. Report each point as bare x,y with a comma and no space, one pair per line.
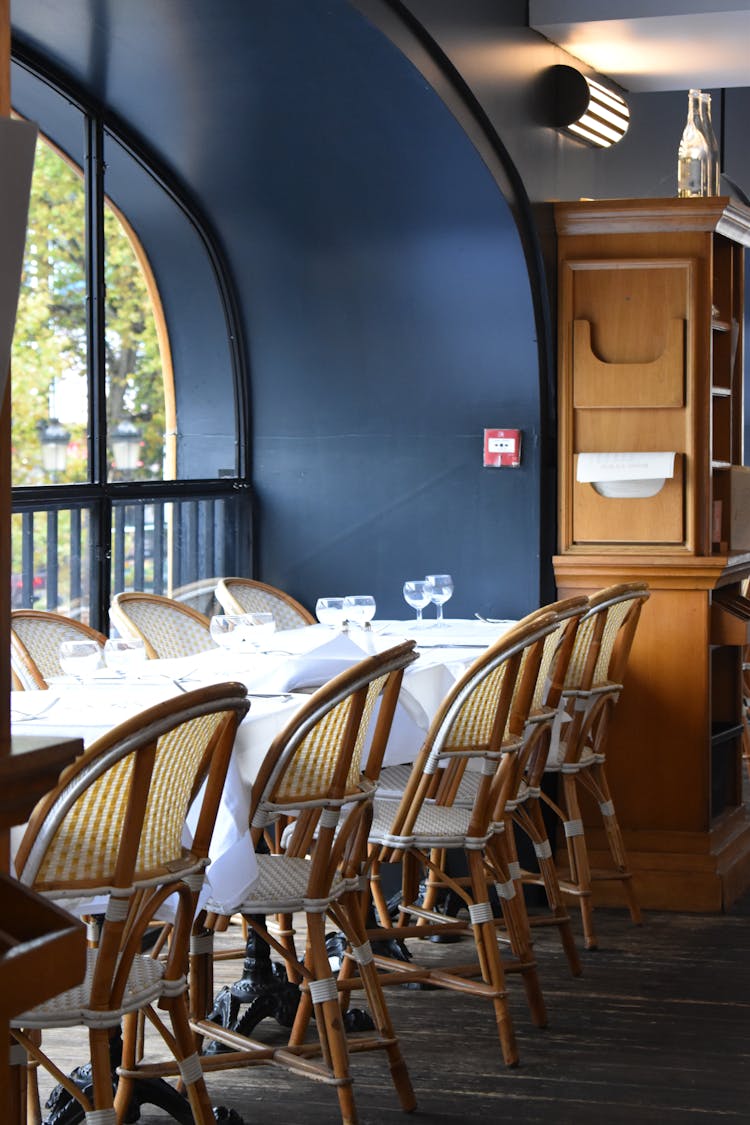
96,365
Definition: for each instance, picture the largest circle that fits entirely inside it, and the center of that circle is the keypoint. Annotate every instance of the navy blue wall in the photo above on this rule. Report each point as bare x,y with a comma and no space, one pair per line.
389,287
390,321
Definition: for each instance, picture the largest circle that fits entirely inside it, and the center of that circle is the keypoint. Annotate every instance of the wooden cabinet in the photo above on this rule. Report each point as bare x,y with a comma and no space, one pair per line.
650,360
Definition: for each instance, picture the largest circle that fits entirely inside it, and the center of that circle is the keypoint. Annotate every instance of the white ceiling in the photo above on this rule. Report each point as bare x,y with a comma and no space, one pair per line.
649,45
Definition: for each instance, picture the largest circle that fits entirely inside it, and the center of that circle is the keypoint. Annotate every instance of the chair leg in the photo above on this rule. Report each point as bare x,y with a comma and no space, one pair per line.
351,911
101,1073
530,820
516,923
189,1060
328,1017
594,779
580,871
485,940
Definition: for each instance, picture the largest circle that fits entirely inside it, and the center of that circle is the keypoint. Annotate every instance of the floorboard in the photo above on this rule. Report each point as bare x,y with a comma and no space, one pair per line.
656,1030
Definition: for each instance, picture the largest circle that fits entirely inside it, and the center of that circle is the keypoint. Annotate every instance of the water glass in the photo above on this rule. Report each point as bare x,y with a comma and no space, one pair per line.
331,611
80,658
359,609
439,590
124,654
416,595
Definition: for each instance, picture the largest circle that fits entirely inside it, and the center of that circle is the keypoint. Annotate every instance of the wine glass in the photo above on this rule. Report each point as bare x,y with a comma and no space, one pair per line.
124,654
439,590
359,609
80,658
416,595
331,611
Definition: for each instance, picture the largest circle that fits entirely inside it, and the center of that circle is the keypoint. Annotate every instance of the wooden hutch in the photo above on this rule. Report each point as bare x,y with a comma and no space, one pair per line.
651,307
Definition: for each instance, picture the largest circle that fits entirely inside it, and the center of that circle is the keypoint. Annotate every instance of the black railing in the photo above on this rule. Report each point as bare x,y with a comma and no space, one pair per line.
156,545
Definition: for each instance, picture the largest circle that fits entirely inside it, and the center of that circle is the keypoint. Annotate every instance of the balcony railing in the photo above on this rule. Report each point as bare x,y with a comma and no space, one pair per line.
155,544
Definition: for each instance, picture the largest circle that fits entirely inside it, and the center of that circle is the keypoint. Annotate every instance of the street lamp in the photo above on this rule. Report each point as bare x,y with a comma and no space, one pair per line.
125,439
54,440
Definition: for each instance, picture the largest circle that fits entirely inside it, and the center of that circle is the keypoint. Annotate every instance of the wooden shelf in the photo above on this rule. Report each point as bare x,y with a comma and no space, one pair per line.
659,286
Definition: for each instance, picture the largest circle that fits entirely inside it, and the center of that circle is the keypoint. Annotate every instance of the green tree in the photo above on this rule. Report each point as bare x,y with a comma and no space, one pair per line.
49,359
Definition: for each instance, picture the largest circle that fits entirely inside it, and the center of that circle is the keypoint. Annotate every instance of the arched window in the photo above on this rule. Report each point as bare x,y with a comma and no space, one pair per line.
115,486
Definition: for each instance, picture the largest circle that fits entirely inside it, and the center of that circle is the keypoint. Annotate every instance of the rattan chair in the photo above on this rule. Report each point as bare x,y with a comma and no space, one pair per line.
113,826
312,773
35,639
167,628
483,725
594,684
522,809
200,595
244,595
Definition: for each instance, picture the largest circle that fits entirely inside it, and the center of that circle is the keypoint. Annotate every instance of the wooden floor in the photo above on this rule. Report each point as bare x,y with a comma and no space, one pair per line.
656,1030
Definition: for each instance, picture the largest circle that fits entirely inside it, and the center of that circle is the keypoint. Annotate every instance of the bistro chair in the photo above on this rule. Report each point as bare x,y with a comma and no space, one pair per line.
312,774
244,595
200,595
593,686
167,628
35,639
113,827
480,736
522,809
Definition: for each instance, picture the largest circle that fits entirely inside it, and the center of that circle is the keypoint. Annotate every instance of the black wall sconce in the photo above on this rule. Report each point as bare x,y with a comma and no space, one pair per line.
585,108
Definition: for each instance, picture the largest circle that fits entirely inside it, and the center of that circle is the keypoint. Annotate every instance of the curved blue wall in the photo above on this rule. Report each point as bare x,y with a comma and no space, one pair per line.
389,321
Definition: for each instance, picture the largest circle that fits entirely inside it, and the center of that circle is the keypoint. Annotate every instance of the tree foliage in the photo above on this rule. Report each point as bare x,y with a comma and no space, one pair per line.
50,347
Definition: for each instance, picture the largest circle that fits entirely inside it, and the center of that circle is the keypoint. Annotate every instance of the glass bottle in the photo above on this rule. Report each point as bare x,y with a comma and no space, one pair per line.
693,157
714,163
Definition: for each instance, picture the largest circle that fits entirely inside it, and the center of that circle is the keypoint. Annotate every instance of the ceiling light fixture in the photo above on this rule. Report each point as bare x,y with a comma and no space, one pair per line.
586,109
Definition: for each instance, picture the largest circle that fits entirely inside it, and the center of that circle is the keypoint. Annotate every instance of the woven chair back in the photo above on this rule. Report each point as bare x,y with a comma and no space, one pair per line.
116,819
605,636
315,763
168,628
244,595
200,595
481,723
35,639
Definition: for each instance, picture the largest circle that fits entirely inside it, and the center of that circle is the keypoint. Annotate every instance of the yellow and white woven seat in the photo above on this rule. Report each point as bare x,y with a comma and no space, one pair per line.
312,773
144,984
436,826
168,628
35,639
245,595
282,887
113,828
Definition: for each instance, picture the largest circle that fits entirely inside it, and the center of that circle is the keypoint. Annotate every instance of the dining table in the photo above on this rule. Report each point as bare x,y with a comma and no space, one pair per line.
278,678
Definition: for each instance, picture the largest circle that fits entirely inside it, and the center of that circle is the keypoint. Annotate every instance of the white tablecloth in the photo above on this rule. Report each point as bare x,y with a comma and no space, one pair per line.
296,659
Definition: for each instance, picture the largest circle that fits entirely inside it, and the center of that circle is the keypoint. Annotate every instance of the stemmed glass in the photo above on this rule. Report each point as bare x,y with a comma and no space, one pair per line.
80,658
416,595
124,654
359,609
439,590
331,611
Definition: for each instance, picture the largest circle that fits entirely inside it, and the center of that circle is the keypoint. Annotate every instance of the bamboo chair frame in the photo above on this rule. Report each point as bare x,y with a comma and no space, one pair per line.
167,628
484,718
245,595
113,826
35,638
312,775
593,687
